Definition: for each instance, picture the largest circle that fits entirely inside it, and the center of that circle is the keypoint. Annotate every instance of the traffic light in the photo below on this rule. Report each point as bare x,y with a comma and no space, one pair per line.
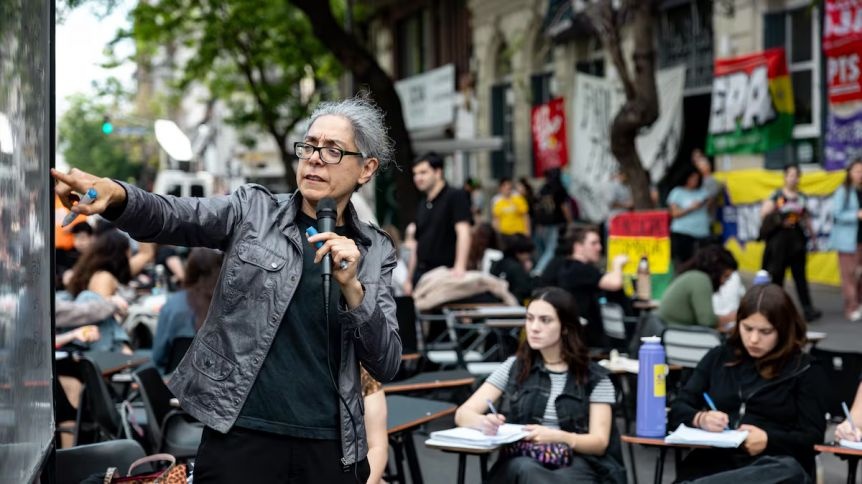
107,126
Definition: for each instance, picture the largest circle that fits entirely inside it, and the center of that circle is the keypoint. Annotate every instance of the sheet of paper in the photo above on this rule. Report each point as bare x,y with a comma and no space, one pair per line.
506,434
687,435
850,444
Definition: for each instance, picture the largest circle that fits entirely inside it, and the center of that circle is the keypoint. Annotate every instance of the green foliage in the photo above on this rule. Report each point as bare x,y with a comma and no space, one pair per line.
86,147
252,54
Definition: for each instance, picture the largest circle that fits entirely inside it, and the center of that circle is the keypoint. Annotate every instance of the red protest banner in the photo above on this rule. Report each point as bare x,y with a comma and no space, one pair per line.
649,223
842,44
844,72
548,123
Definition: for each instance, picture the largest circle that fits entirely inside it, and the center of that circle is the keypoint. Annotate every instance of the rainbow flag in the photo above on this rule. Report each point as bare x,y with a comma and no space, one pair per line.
752,104
639,234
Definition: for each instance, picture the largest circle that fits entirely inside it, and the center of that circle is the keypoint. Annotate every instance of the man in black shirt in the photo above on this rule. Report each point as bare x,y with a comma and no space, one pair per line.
580,276
442,223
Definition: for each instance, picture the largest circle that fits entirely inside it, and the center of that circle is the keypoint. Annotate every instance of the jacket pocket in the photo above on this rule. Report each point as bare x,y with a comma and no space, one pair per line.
252,272
211,364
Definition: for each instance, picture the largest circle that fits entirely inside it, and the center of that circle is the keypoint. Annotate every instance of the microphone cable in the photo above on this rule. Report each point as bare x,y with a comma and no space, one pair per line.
326,287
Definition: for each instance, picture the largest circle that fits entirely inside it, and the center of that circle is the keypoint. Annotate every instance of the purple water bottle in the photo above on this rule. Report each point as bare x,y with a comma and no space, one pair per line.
652,370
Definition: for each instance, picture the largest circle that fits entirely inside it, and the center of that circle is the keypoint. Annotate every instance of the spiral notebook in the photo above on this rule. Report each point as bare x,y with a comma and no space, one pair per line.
686,435
506,434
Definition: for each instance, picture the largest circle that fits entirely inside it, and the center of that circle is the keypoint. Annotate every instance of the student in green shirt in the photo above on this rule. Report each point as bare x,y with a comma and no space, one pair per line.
688,299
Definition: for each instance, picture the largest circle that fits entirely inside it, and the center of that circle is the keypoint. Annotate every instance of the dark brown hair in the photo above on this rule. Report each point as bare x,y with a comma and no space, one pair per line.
108,252
202,270
579,235
713,260
775,305
572,348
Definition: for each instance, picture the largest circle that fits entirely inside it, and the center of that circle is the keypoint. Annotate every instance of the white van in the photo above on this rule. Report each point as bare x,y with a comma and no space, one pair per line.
184,184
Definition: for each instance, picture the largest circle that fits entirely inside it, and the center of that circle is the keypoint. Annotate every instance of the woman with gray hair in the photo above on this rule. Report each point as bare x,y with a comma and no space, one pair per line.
271,374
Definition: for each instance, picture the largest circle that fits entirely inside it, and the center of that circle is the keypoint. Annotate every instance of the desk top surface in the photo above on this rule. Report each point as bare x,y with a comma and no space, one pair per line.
405,413
837,449
633,439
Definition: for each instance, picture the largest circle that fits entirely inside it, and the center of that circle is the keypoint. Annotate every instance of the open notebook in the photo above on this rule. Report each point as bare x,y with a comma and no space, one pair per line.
850,444
688,435
507,433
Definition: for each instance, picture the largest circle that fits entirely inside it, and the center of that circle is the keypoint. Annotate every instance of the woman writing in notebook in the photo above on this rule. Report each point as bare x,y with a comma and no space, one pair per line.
760,381
851,428
563,399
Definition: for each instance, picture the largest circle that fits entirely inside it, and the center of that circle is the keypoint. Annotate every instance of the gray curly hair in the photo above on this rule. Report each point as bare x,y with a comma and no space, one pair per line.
369,129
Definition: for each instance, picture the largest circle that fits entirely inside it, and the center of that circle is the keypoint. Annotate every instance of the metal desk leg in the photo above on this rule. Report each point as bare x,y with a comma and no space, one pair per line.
462,464
852,464
659,466
398,449
412,461
483,467
632,463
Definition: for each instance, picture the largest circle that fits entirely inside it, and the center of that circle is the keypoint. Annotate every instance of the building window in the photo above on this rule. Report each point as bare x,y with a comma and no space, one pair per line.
798,31
594,63
685,37
414,43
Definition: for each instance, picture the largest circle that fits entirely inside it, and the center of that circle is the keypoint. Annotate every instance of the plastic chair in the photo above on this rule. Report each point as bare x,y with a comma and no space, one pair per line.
686,345
77,463
172,431
98,409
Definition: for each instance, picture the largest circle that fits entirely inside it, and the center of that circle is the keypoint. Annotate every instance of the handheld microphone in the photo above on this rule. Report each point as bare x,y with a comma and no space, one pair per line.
327,211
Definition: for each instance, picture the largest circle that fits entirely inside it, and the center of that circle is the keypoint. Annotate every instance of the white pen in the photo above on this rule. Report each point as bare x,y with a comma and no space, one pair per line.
87,199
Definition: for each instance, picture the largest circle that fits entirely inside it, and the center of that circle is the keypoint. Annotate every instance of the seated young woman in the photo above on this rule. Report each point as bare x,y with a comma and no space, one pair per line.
761,381
563,398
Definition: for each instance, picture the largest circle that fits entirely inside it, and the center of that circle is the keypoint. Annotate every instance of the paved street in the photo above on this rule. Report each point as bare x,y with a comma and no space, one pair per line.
440,468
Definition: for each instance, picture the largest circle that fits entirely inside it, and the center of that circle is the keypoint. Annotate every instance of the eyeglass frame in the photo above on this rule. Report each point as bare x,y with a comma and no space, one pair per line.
320,156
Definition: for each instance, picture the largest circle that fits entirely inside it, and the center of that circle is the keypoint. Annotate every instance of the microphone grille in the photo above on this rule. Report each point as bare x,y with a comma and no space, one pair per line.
327,204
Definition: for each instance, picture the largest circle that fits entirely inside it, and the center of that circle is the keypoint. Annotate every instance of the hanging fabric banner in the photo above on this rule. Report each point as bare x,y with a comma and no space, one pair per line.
550,150
843,139
752,104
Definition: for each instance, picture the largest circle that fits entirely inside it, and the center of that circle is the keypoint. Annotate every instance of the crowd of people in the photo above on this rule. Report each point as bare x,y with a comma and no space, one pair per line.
254,284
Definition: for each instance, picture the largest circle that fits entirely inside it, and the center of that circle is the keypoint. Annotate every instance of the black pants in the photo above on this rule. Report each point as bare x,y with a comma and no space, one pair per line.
683,247
244,455
787,249
766,470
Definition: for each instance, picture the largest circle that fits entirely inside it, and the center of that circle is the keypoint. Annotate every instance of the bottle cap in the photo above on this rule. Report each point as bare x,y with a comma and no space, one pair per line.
651,339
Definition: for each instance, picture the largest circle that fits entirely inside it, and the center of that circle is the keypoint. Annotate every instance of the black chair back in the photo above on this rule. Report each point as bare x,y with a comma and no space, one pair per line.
75,464
157,402
843,370
98,403
179,348
405,312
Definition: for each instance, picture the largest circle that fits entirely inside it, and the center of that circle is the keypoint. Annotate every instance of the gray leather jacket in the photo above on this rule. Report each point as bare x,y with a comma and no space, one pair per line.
262,265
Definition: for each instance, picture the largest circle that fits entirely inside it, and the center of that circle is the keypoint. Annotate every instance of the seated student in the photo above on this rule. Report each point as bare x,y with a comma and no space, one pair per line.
564,399
581,276
687,301
515,266
184,311
846,431
375,426
761,381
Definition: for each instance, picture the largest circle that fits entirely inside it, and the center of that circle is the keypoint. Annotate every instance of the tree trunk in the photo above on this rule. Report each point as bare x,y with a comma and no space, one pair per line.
366,71
641,107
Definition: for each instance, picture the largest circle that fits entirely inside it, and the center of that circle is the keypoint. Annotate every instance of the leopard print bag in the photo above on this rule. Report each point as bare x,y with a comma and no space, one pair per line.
174,474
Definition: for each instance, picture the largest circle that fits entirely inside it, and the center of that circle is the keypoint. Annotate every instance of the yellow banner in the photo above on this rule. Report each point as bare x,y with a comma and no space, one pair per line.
753,186
657,250
821,267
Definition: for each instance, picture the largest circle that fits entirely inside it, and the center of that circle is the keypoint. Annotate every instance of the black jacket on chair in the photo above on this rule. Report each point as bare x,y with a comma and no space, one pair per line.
788,407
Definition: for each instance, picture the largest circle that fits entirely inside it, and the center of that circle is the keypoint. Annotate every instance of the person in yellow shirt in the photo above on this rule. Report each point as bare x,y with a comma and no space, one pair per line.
510,211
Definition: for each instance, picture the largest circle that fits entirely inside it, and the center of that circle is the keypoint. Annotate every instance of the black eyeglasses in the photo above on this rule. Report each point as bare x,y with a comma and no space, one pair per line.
328,154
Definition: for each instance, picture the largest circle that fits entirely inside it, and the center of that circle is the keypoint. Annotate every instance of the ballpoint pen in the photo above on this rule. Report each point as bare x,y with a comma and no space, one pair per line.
849,418
710,403
87,199
491,406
